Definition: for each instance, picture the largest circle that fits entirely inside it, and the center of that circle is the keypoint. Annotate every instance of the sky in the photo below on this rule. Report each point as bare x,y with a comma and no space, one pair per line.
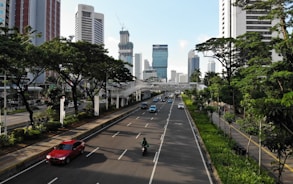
179,24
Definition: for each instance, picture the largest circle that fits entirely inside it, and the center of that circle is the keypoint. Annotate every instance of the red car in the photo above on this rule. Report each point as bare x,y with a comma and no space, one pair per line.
65,152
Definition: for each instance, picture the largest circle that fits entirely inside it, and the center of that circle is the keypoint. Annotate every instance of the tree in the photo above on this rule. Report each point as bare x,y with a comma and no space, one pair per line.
221,49
69,61
208,76
25,58
195,76
273,99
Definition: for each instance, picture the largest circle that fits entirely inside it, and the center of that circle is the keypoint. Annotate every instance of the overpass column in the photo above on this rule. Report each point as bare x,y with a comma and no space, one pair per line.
97,105
127,100
117,101
122,102
136,96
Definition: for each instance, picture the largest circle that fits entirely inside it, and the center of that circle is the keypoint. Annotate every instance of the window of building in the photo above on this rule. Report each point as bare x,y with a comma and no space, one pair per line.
86,14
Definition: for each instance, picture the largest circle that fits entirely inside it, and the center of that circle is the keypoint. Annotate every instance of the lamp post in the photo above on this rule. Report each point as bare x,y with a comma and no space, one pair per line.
5,105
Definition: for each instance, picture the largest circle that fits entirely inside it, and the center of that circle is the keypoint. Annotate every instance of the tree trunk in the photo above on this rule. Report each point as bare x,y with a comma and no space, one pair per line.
28,108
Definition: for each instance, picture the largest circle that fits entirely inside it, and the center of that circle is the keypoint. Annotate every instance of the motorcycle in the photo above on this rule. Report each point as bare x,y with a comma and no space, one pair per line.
144,150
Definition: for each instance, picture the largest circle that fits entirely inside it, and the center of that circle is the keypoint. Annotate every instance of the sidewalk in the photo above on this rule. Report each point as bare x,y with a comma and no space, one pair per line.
23,158
267,157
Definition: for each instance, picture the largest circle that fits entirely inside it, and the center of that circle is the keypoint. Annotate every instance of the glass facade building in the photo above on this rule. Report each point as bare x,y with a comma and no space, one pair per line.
160,60
193,63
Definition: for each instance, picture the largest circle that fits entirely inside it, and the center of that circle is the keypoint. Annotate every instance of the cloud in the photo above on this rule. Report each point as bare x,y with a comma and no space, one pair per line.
183,44
111,44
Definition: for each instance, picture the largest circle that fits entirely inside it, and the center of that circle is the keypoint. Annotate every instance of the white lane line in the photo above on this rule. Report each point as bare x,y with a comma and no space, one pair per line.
53,180
191,124
122,154
160,148
129,124
137,135
137,117
162,137
146,125
143,113
152,118
115,134
155,157
21,172
92,152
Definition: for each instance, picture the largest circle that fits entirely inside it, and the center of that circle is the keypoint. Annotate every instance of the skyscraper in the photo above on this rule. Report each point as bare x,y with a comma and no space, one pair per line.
160,60
43,16
234,22
137,65
211,66
173,76
89,25
193,63
146,65
6,8
126,49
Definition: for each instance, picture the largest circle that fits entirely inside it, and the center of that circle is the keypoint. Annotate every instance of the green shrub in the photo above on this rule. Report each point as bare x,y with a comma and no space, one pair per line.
52,126
82,115
32,134
69,120
18,134
4,140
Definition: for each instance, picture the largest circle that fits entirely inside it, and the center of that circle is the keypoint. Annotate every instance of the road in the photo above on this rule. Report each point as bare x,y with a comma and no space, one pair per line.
114,155
22,119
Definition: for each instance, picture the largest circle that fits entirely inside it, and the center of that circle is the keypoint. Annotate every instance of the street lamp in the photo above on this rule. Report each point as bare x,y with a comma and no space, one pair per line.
5,105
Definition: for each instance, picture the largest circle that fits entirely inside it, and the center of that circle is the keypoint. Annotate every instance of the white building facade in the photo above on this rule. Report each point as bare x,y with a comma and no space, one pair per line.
211,66
89,25
233,22
138,65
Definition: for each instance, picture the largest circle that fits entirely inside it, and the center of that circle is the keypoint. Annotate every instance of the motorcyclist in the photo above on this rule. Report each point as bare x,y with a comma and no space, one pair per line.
144,143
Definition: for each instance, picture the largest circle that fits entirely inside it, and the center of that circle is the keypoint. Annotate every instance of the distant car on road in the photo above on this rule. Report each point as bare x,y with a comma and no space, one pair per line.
170,100
153,108
180,106
144,105
156,99
65,152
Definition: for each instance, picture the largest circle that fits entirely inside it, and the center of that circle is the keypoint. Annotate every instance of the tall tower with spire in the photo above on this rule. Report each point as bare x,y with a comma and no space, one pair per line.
126,49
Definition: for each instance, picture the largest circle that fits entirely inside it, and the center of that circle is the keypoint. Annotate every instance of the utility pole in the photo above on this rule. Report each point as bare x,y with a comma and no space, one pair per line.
5,105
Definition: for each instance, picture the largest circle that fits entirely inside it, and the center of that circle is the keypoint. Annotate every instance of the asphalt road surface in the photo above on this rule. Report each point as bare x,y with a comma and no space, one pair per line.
114,155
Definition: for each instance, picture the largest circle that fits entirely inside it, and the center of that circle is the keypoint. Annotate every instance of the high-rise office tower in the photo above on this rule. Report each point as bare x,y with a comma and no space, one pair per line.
6,10
160,60
211,66
173,76
146,65
126,49
43,16
89,25
234,22
137,65
193,63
